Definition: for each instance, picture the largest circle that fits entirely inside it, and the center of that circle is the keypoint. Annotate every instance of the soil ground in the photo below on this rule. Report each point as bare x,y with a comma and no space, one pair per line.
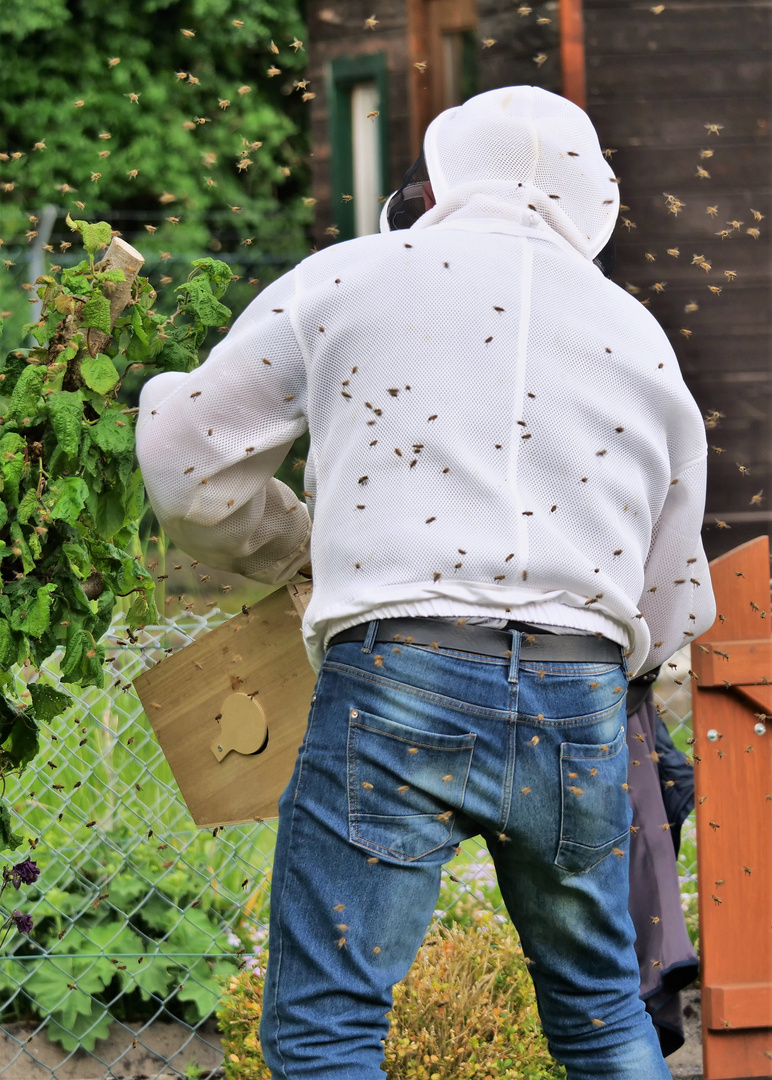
171,1047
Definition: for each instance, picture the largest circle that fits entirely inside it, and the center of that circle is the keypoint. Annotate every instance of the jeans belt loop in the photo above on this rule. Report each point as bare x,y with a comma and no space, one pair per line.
514,660
372,633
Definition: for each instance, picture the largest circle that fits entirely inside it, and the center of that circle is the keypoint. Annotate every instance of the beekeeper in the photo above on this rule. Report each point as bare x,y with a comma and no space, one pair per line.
506,480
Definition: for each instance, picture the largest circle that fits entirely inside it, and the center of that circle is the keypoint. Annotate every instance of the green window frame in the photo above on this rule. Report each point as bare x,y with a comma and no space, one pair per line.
344,74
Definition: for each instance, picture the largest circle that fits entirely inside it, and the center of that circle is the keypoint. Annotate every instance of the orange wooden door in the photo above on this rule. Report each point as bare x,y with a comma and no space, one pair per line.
732,696
438,58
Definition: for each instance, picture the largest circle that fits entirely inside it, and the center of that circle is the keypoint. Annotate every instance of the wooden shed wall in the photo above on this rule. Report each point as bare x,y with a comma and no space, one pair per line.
335,30
654,82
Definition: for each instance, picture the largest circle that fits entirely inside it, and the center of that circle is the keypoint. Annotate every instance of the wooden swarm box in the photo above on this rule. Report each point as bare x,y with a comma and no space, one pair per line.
230,710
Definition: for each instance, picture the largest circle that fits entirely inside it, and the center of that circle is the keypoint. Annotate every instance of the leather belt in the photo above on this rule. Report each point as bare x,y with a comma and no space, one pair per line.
485,640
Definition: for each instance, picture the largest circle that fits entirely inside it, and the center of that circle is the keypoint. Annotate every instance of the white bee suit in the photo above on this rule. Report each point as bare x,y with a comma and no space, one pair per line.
496,428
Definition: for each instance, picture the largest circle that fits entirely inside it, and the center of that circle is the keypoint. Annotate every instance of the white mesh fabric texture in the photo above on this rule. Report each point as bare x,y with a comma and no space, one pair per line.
209,443
495,430
522,155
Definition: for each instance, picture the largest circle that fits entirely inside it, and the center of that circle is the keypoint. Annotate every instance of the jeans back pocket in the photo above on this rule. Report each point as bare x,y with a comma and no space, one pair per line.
404,787
596,813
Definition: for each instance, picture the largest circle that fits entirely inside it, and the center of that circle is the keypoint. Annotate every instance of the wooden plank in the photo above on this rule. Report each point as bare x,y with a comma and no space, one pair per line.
665,168
698,76
668,307
742,1005
572,59
661,117
625,30
742,663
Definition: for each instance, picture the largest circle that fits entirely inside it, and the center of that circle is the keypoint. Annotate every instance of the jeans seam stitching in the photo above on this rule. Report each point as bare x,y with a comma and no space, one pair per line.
423,695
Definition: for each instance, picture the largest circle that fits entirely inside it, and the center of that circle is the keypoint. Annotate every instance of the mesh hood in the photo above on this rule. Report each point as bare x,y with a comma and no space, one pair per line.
523,156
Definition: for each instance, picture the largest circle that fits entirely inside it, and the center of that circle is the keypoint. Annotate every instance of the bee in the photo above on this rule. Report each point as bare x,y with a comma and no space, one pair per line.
702,174
658,286
371,23
730,275
421,66
674,252
754,233
712,210
538,60
713,129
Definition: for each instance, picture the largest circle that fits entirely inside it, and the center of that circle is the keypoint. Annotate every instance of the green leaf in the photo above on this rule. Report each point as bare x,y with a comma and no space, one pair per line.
20,545
106,509
93,666
122,573
95,234
88,460
9,645
83,1032
103,615
34,616
196,295
27,507
99,373
202,985
154,976
48,703
140,324
134,501
110,275
217,271
69,497
65,410
9,840
142,611
22,745
76,553
78,641
12,467
96,313
112,434
25,400
175,356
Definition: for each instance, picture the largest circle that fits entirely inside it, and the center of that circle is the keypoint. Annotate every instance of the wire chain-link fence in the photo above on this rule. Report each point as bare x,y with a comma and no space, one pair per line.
138,914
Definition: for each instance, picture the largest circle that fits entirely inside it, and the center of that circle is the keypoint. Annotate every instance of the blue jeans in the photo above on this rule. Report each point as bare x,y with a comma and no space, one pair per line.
410,750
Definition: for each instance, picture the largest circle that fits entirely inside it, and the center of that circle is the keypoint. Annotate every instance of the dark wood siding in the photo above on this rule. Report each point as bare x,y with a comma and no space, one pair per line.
337,29
654,81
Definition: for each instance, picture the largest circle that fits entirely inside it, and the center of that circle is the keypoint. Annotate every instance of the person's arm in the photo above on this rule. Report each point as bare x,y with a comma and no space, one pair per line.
677,600
209,443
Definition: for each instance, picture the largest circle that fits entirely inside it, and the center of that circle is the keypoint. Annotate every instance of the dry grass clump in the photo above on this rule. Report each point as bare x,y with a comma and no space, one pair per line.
465,1009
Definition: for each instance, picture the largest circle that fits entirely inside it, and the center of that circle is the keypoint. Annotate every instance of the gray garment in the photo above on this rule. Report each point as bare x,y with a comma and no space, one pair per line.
665,953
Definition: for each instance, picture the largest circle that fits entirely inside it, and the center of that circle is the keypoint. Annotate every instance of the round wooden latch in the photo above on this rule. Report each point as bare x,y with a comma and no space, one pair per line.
243,727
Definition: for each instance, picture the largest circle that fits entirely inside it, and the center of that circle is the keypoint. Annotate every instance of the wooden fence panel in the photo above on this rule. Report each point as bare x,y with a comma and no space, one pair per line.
732,700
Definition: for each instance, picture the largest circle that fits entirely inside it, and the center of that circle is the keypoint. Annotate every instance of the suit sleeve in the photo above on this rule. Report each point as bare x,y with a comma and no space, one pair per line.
209,443
677,600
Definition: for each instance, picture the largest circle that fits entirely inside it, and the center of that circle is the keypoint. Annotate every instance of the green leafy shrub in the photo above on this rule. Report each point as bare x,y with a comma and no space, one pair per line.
466,1009
72,498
